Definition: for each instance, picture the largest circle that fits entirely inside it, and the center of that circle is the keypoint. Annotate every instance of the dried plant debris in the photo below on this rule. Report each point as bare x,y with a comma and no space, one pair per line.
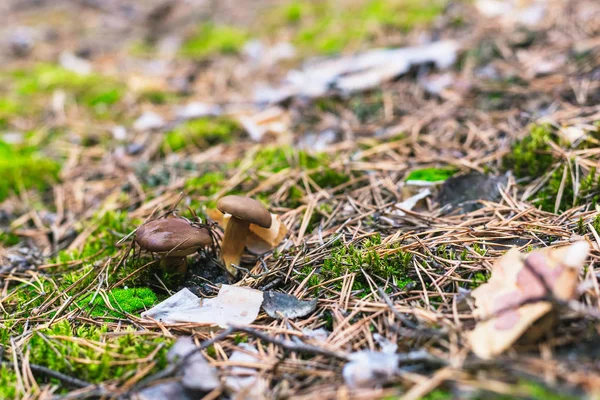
370,368
165,391
282,305
197,374
357,73
245,382
233,305
182,300
399,160
411,202
521,292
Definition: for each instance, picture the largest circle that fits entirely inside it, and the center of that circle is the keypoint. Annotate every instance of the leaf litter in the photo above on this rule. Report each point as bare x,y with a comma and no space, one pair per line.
521,291
375,273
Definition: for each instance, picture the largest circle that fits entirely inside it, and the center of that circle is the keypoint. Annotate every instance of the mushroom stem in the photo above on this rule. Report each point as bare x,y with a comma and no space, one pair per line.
234,242
176,264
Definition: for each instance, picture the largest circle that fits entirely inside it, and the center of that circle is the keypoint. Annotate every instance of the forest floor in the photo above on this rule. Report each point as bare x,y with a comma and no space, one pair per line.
113,113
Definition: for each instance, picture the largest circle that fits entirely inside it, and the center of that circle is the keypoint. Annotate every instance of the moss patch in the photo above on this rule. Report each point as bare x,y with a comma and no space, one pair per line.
25,168
91,90
65,346
211,39
367,256
120,300
110,225
531,157
8,383
325,27
203,133
207,184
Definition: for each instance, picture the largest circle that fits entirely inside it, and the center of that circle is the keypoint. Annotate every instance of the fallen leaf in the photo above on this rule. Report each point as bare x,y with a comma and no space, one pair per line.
244,382
320,335
184,299
148,121
197,110
165,391
233,305
358,72
370,368
198,374
507,304
281,305
75,64
511,12
411,202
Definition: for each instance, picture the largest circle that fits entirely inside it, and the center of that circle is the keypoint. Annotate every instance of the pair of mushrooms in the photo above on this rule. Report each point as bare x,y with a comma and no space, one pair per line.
173,239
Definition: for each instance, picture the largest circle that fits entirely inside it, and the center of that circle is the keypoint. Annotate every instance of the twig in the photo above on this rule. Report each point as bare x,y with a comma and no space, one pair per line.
66,379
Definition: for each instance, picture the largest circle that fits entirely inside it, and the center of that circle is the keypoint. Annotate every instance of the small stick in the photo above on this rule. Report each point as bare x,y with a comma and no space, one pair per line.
66,379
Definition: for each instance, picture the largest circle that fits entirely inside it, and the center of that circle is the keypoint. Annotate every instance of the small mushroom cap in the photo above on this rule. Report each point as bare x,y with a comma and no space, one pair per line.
172,236
246,209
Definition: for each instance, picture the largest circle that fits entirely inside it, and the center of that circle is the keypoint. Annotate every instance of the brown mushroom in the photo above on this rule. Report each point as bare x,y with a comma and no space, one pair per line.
244,211
173,239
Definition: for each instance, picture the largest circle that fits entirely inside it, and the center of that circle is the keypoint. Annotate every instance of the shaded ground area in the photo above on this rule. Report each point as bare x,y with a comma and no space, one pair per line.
112,113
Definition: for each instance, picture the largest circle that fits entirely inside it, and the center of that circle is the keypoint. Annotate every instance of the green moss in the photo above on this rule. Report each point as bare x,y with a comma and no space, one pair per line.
23,298
367,108
206,184
155,96
211,39
478,279
354,258
272,160
322,210
9,108
8,383
324,27
431,174
547,197
8,238
439,394
121,301
110,227
294,11
203,132
92,90
531,156
91,354
596,223
588,193
540,392
276,159
25,168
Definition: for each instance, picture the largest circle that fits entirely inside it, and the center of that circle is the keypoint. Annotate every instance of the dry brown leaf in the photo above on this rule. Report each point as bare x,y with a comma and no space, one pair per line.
506,303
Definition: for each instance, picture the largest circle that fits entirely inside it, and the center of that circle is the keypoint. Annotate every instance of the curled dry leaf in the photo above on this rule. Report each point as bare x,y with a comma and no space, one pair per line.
507,304
260,240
